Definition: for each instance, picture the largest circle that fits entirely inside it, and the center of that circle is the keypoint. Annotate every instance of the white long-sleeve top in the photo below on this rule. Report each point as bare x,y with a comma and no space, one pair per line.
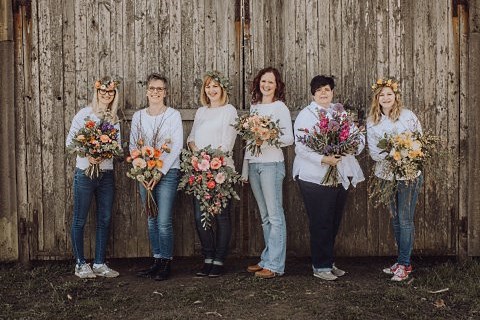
213,126
308,164
407,121
77,123
155,131
277,111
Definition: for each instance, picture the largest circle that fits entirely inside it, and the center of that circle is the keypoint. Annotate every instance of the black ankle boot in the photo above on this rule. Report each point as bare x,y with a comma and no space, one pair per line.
152,271
164,270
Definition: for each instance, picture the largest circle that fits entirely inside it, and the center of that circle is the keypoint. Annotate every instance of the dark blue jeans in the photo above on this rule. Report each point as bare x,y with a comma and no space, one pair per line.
403,210
160,227
84,188
324,206
214,247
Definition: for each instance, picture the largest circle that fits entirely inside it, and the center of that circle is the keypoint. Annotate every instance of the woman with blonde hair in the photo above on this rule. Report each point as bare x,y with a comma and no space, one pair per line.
103,108
386,117
213,127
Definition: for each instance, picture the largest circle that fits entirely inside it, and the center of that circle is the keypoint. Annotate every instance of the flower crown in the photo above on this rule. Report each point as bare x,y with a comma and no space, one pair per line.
387,82
223,81
109,84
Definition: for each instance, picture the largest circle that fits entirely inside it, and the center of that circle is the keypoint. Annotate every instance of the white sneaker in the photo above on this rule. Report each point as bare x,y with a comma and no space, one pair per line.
104,271
84,271
393,268
337,272
325,275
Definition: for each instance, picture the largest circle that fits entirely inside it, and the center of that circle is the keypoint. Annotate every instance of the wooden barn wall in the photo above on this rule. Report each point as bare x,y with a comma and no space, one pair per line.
63,46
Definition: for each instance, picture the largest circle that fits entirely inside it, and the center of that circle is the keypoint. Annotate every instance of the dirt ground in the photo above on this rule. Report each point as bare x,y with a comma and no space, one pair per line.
49,290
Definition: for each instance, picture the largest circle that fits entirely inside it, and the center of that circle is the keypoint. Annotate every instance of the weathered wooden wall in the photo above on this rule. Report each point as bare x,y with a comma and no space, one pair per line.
61,47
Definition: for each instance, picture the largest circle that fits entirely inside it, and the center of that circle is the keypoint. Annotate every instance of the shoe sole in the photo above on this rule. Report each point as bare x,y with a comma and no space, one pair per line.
329,279
86,277
106,276
251,270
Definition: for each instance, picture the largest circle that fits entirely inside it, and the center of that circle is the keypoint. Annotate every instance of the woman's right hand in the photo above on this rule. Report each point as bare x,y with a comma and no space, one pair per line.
192,146
331,160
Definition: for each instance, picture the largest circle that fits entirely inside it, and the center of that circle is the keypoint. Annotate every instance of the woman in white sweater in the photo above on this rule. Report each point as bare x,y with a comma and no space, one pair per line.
212,127
155,125
266,172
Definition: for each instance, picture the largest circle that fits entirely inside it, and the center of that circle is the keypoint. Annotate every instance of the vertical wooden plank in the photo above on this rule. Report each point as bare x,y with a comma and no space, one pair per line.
69,101
210,35
104,38
152,42
199,53
289,18
175,41
336,46
323,14
313,47
299,70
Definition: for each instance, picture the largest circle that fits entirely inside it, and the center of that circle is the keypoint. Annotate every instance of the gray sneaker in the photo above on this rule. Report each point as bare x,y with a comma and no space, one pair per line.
325,275
337,272
105,271
84,271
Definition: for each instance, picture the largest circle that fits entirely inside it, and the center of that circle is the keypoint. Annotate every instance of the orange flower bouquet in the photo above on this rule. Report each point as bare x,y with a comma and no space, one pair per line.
98,141
146,164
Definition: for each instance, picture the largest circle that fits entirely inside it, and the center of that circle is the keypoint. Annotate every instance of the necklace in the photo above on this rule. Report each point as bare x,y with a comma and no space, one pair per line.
152,113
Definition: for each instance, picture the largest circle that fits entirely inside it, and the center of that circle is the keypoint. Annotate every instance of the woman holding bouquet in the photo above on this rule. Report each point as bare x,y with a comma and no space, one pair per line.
325,197
213,127
160,127
101,112
388,117
266,171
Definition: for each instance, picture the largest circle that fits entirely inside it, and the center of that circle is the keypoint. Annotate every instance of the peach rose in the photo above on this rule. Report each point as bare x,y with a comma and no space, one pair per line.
139,163
104,138
215,163
211,184
135,153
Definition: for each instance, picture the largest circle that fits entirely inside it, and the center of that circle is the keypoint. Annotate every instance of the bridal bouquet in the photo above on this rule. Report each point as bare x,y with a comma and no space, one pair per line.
207,176
332,135
146,164
406,155
98,141
256,129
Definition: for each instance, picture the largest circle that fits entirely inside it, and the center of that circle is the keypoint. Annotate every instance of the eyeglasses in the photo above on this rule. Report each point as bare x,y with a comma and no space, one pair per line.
111,93
156,89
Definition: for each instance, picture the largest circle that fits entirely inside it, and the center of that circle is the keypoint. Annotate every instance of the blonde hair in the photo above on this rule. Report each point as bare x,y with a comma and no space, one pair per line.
375,113
204,100
110,114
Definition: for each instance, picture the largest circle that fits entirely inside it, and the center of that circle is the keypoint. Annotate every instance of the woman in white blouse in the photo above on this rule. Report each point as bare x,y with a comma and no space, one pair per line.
212,127
266,172
324,204
387,116
155,125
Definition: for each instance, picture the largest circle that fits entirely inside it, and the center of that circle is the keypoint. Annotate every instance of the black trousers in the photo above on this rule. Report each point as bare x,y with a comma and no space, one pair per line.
325,206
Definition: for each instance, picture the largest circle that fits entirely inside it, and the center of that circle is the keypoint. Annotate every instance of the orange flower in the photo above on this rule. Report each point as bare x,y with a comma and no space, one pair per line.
157,153
104,138
97,84
211,184
90,124
215,163
147,150
159,164
151,164
135,153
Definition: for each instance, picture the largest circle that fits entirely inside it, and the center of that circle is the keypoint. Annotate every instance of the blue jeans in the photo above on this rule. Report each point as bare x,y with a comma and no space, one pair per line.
403,210
325,206
214,247
160,227
266,180
84,189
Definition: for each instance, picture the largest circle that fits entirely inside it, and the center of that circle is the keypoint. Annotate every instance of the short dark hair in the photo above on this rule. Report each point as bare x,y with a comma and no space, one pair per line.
157,76
321,81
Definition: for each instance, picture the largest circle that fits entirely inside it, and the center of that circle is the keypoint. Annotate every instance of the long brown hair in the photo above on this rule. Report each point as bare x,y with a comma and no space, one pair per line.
279,91
375,113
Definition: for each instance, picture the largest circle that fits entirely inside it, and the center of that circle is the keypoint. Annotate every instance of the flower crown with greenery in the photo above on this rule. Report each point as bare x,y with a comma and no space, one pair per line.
221,80
109,84
387,82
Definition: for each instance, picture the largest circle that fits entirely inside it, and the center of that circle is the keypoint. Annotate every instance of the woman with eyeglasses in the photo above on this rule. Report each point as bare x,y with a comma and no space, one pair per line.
102,109
155,126
213,127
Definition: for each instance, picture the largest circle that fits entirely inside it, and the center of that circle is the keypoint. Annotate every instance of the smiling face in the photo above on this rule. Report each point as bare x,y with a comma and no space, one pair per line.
268,85
105,97
323,96
156,92
213,90
386,99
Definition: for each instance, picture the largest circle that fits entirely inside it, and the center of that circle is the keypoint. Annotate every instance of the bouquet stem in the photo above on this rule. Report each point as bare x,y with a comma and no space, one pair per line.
150,205
93,171
331,177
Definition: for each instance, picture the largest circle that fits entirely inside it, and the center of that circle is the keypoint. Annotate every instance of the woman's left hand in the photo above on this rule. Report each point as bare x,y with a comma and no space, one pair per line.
153,183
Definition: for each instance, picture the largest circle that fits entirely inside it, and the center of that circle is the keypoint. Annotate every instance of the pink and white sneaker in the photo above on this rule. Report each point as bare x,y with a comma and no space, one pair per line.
392,269
400,274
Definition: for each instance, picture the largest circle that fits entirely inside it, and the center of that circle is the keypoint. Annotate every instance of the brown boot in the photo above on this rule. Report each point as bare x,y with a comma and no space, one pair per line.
254,268
266,274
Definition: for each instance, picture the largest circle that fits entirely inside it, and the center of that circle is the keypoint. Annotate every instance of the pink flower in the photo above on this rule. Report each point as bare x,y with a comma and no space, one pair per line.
206,157
207,196
204,165
220,178
215,163
139,163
